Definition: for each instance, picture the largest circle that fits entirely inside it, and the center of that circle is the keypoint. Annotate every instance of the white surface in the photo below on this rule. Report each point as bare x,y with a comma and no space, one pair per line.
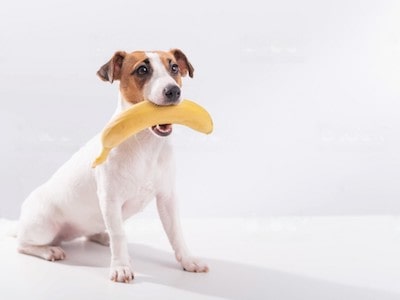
339,258
304,95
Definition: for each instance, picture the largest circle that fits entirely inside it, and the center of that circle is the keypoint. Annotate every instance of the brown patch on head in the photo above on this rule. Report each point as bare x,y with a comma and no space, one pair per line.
171,65
136,71
112,69
124,67
185,66
133,70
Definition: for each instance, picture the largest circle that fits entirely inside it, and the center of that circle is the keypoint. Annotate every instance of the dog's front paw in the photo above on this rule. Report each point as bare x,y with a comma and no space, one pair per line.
121,273
193,264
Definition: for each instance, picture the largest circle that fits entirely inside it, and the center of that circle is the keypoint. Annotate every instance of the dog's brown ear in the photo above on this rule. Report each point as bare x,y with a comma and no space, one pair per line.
112,70
185,66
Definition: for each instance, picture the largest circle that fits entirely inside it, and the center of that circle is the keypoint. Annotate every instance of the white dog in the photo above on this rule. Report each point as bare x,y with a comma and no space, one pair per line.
81,201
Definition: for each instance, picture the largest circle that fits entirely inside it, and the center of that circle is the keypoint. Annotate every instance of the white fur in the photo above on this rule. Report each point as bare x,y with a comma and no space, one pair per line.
80,201
160,79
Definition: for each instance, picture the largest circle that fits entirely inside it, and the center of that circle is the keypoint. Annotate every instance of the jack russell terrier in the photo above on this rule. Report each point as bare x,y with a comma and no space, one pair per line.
81,201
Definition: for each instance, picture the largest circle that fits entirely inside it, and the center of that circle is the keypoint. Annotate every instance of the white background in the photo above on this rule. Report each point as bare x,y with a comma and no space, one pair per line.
304,95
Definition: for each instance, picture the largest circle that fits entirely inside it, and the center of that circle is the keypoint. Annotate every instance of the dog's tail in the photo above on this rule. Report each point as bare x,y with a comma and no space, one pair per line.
8,228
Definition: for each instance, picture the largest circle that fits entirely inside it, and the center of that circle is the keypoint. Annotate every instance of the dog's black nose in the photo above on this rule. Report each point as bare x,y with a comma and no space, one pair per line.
172,93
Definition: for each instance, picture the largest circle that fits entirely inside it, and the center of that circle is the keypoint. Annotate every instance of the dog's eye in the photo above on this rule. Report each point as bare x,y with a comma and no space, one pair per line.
174,69
142,70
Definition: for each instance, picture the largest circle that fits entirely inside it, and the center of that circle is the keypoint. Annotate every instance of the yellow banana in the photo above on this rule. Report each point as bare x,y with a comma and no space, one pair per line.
146,114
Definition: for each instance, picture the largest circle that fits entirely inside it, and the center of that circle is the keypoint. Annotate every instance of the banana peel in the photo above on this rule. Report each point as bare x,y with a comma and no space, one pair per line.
146,114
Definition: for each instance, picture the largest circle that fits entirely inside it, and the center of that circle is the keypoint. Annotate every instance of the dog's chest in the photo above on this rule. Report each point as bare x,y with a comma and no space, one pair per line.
142,173
140,191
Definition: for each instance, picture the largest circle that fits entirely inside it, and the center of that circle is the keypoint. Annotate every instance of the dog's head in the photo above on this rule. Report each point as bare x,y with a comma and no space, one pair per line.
151,75
154,75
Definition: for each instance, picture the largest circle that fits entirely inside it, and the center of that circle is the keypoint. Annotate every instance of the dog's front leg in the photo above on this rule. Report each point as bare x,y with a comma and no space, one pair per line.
168,211
121,270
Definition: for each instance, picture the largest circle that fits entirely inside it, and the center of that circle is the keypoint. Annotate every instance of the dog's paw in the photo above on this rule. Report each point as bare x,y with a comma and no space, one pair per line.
55,253
121,273
193,264
50,253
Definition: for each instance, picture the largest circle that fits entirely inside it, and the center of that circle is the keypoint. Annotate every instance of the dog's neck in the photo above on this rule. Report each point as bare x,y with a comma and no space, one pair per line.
122,104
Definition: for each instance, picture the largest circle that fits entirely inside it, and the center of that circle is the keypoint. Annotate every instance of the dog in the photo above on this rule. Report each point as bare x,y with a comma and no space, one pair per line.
79,201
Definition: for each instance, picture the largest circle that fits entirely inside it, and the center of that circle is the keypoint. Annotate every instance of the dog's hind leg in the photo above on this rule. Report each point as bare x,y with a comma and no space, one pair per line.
51,253
40,239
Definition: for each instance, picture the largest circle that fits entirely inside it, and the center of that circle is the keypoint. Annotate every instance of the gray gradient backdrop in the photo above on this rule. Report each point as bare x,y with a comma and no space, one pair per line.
304,95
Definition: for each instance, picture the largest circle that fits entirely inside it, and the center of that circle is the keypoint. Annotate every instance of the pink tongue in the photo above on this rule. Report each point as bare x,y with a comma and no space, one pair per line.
163,128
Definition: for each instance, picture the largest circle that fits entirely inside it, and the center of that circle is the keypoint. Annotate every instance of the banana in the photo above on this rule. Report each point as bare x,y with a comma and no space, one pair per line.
146,114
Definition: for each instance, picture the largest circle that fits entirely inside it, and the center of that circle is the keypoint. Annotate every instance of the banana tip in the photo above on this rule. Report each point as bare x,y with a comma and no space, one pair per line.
101,158
96,162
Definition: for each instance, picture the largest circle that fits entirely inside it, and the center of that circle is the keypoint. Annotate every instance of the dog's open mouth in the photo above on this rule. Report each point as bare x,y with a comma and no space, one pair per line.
162,129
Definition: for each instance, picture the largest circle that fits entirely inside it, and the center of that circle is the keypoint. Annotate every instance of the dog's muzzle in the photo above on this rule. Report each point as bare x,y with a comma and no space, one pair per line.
172,94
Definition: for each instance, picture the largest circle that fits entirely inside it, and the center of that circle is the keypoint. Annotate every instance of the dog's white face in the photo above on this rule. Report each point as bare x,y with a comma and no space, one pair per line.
153,75
161,87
